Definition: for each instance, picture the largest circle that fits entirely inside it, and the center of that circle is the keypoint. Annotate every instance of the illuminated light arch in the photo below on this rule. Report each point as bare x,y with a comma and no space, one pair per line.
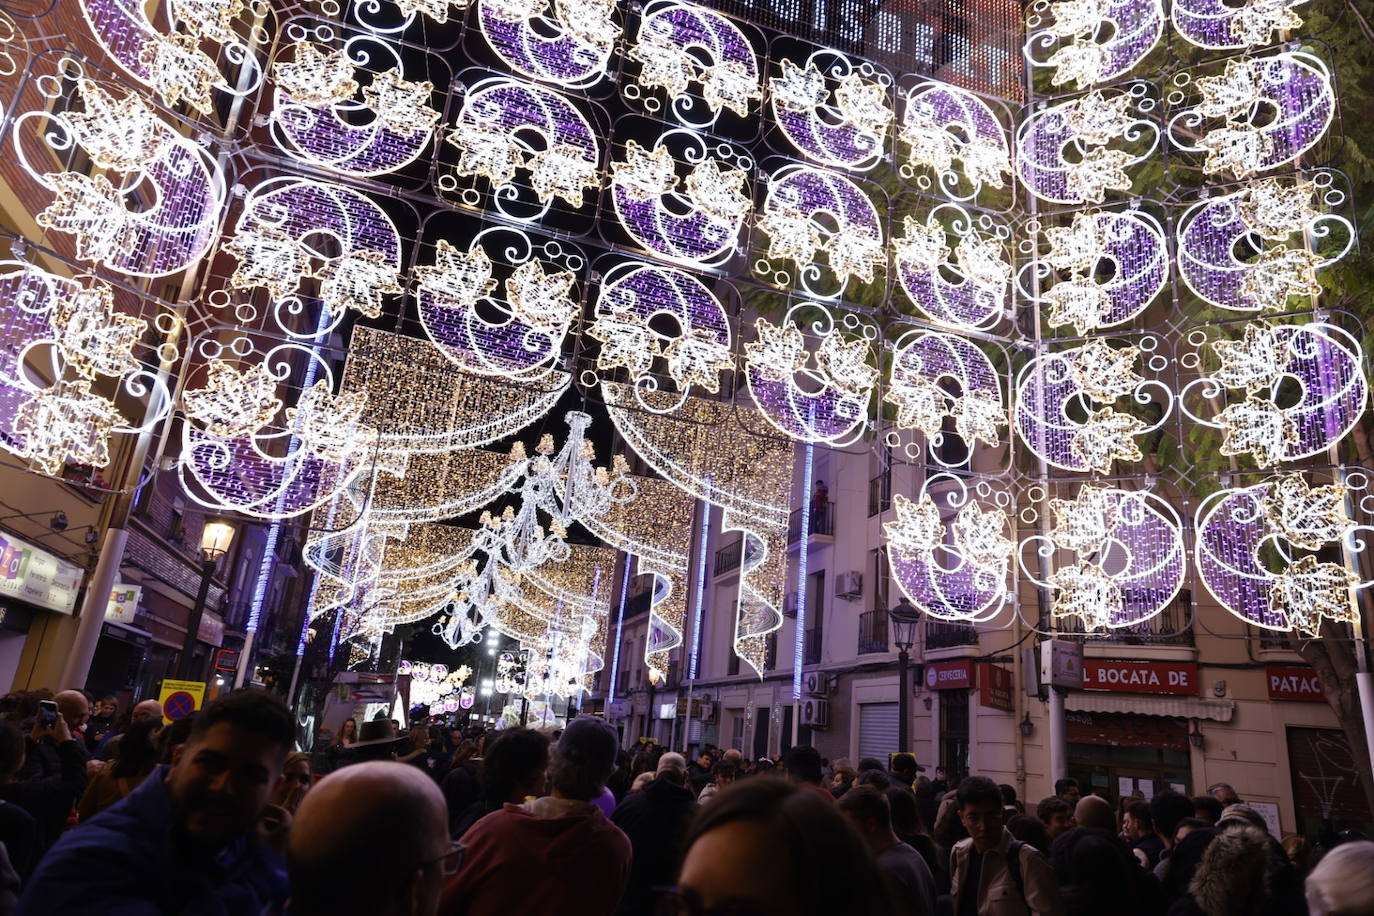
1087,380
1212,231
127,139
852,236
1218,25
315,114
1070,44
696,223
1131,242
532,316
1325,362
942,123
921,362
173,63
631,296
963,576
978,298
277,241
1128,559
1095,125
1289,519
570,45
490,135
1273,109
845,126
669,33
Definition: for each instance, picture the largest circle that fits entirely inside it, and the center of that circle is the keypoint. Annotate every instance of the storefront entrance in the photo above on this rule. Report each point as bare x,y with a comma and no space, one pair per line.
1117,755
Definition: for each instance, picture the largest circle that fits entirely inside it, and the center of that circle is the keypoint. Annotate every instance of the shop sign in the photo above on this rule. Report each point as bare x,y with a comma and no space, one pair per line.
617,709
951,675
640,704
36,576
702,710
123,604
1140,677
994,687
211,629
1293,682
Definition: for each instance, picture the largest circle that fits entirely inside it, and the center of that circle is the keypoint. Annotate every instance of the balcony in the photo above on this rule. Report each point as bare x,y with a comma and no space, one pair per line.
729,556
873,632
822,522
943,635
811,648
1170,627
880,494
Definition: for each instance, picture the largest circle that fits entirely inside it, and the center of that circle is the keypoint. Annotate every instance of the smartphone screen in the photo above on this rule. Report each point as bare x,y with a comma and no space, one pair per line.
47,711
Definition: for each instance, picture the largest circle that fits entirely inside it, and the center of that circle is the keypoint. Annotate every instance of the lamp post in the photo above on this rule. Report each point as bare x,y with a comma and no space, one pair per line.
215,539
904,619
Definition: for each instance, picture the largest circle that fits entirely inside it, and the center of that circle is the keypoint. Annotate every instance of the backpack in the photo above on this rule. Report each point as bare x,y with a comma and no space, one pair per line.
1014,869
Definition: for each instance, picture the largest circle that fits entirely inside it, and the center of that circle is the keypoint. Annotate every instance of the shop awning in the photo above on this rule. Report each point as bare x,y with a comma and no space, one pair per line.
1173,707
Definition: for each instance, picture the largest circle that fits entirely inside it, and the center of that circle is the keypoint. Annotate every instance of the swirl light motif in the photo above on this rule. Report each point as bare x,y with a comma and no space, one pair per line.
1218,25
851,236
942,376
833,403
950,548
1266,212
846,127
978,300
1326,364
1092,126
1093,41
1064,406
632,296
942,123
1273,109
669,33
160,213
697,225
315,115
1241,530
1128,247
174,63
762,571
518,335
1128,557
290,225
489,135
569,45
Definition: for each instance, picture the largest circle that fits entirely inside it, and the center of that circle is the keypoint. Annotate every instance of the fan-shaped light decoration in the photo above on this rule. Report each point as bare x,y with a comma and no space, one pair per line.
938,377
1218,25
950,548
1057,387
941,124
1108,266
834,111
1072,152
1240,531
669,34
925,261
1260,215
1271,110
1072,44
1327,364
567,42
1128,559
317,118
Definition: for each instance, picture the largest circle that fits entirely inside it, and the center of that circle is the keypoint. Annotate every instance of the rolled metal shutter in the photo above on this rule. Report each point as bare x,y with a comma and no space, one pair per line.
877,730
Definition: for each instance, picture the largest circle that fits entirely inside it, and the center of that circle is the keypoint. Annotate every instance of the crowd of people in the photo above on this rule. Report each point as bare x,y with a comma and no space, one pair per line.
219,814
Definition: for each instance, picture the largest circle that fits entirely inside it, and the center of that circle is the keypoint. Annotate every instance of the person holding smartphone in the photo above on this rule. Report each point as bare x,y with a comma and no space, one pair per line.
52,775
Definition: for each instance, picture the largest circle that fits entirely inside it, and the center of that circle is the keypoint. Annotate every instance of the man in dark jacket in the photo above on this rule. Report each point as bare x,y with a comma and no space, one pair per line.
699,772
186,841
655,819
50,778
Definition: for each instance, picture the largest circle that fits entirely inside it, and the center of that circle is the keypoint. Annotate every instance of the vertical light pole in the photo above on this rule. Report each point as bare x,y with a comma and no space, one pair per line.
904,619
215,539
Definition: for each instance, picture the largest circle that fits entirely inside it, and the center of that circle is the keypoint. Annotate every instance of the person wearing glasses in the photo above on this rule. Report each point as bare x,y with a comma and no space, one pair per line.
371,839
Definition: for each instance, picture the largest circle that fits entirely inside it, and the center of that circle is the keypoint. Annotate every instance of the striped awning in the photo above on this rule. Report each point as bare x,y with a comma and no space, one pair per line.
1172,707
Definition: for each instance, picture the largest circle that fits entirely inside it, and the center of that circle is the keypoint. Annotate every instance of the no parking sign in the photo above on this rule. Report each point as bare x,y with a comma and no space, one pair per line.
180,698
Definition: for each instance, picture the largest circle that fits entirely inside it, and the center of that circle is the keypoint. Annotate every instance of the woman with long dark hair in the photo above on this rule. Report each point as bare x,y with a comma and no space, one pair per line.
137,757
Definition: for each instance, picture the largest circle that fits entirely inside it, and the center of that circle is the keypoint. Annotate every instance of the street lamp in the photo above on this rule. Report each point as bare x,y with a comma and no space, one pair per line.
904,620
215,539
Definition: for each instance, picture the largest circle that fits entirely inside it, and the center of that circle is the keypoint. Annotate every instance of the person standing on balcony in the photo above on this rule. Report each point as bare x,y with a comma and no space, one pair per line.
820,505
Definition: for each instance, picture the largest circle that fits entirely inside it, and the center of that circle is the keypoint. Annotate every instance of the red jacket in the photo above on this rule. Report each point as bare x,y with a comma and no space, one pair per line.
550,856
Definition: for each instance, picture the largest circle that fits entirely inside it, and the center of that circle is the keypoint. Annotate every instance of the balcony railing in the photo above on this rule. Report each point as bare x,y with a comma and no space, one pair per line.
872,632
811,650
943,635
1170,627
728,557
822,522
880,494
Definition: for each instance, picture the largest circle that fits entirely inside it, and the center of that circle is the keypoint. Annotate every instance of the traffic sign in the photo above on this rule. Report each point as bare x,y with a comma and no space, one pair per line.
180,698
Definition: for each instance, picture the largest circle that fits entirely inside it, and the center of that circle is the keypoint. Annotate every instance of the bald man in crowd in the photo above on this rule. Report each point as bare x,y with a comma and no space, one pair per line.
372,839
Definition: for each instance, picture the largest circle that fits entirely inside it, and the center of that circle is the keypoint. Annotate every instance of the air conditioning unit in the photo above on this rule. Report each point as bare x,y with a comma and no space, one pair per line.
816,684
789,605
815,712
850,585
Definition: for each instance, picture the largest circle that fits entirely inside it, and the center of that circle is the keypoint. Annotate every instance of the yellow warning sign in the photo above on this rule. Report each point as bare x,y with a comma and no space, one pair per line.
180,698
